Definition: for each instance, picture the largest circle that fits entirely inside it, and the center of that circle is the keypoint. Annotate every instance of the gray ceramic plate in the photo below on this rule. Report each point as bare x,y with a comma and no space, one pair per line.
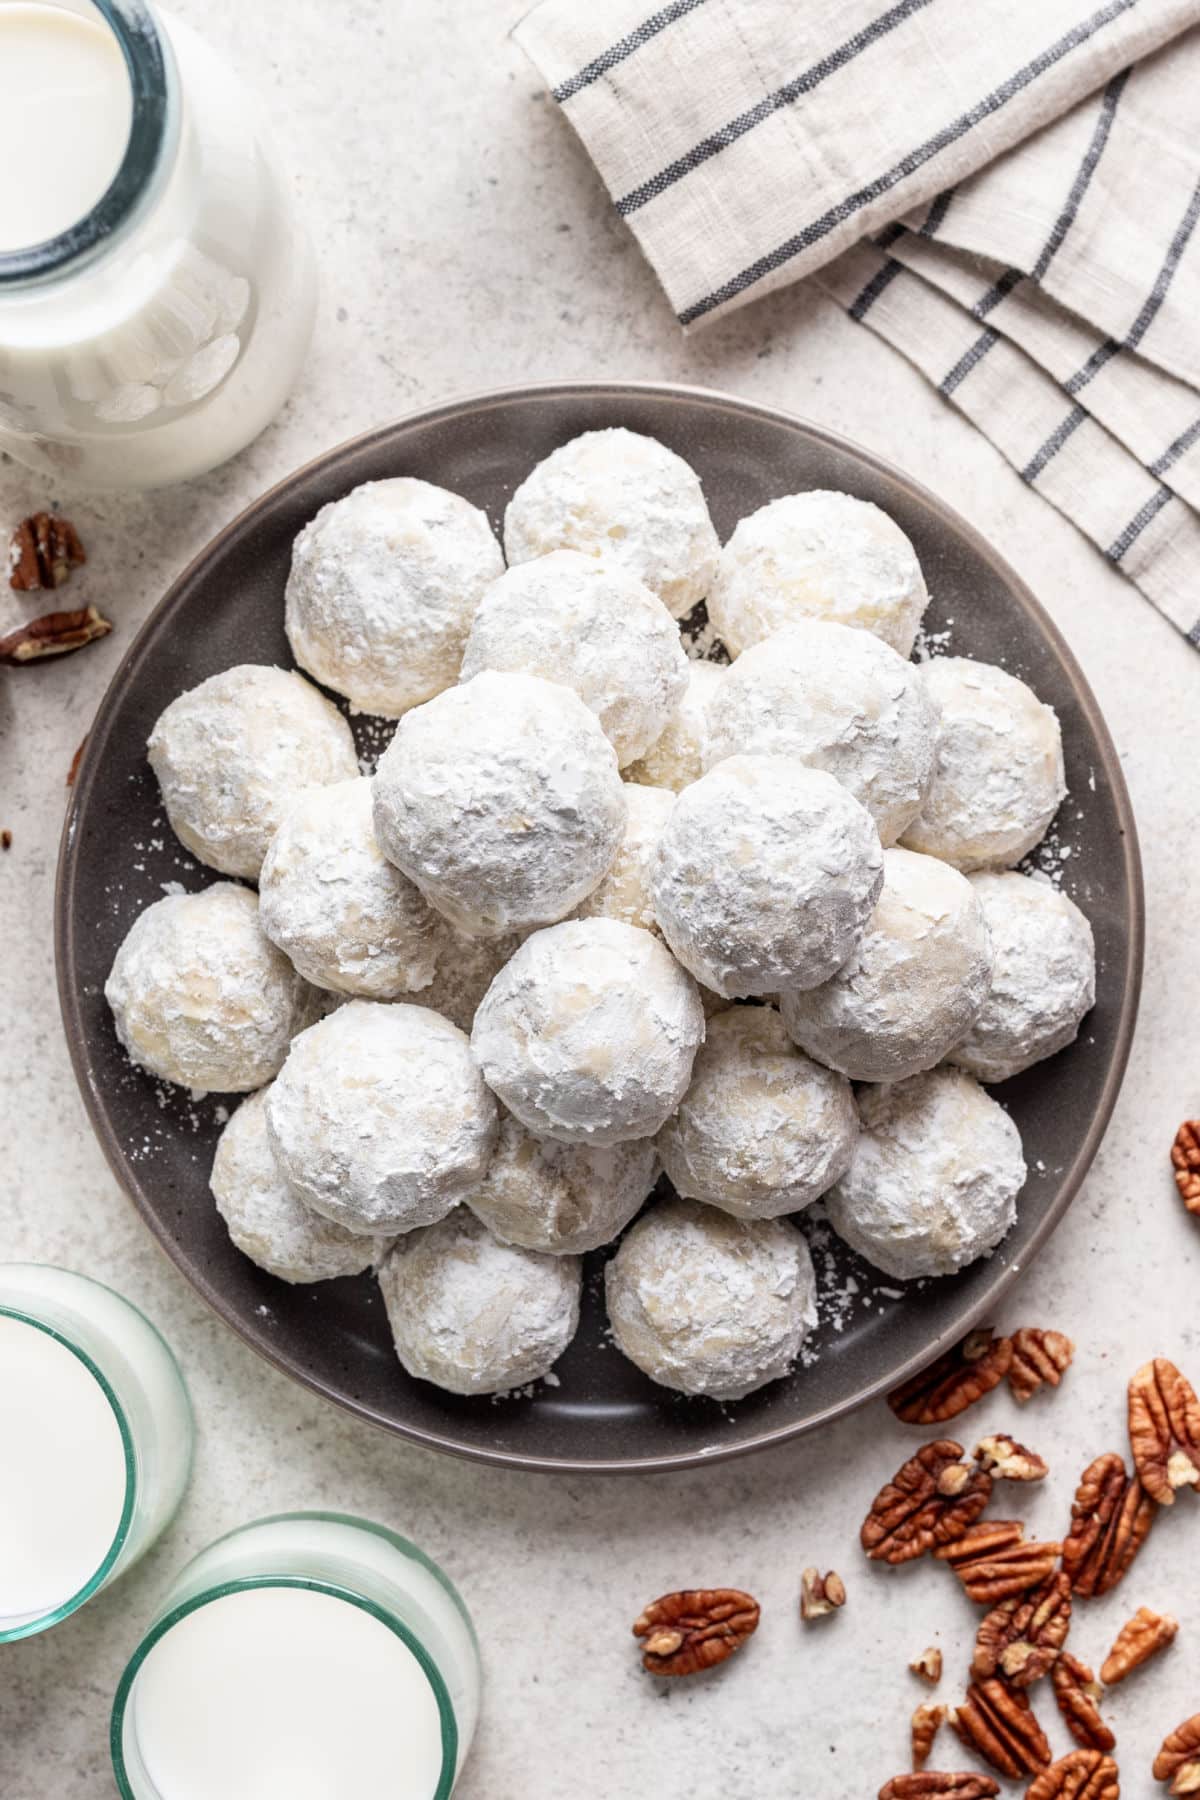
117,855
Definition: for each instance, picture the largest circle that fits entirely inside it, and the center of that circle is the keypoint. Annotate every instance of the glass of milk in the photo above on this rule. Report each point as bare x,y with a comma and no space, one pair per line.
95,1442
303,1657
156,290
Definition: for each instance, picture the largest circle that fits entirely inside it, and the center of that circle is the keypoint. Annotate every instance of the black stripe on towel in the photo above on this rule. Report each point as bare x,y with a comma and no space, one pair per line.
1138,523
1153,302
1053,443
1175,450
608,59
967,362
935,218
1083,177
882,278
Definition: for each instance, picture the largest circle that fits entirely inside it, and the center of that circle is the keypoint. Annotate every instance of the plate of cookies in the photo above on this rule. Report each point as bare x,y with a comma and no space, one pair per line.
600,926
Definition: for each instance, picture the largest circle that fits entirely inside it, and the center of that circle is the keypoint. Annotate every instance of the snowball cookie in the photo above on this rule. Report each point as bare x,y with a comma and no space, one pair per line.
231,755
913,986
330,898
266,1221
998,778
677,757
626,497
474,1315
466,968
596,628
200,995
383,588
838,700
501,800
766,875
818,555
562,1198
762,1130
588,1033
1043,982
934,1177
709,1304
624,893
379,1120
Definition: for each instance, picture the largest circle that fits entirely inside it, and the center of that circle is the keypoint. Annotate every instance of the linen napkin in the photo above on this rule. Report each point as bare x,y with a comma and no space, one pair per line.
1007,191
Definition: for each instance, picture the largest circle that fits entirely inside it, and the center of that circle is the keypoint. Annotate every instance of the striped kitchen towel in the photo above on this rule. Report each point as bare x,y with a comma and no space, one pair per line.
1007,191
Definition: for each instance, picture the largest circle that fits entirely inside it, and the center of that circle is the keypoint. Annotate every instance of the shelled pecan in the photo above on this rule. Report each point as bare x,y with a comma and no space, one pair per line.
1078,1693
1022,1636
959,1377
1164,1430
1080,1775
42,552
1110,1521
1040,1359
993,1561
1185,1160
928,1665
927,1721
999,1724
54,634
1138,1640
1007,1460
820,1594
694,1629
931,1500
936,1784
1179,1759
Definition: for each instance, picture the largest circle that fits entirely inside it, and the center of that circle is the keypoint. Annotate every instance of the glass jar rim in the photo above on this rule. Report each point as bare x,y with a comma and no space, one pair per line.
96,1581
153,134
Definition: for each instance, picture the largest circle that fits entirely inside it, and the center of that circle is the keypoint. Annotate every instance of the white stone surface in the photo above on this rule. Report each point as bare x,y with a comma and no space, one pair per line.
449,194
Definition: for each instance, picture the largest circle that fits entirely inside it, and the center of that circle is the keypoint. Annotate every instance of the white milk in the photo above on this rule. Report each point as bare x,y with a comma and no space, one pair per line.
286,1694
56,66
64,1483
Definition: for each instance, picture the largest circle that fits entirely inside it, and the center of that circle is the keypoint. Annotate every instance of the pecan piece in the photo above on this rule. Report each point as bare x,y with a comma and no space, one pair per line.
54,634
935,1784
993,1561
1138,1640
932,1499
1003,1457
1078,1693
928,1665
1164,1430
43,551
1110,1521
694,1629
955,1381
999,1724
821,1594
1179,1759
1040,1359
1080,1775
927,1721
1021,1638
1185,1160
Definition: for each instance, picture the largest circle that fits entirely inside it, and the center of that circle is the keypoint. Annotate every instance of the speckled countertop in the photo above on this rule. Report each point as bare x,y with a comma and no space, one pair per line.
466,243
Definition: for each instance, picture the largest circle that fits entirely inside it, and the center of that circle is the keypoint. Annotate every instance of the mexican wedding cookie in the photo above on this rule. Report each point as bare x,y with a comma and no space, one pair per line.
625,892
562,1198
1044,980
474,1315
200,995
266,1221
596,628
589,1032
998,779
677,758
501,800
231,755
934,1178
617,494
911,988
818,555
762,1130
329,897
379,1119
383,587
838,700
766,875
707,1304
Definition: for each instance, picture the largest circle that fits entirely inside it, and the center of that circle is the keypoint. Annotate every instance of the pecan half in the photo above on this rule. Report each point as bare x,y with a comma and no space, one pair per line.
1003,1457
935,1784
1040,1359
54,634
1138,1640
1185,1160
932,1499
1080,1775
1021,1638
927,1721
955,1381
1179,1759
1164,1430
1110,1521
820,1594
999,1724
43,551
928,1665
993,1561
695,1629
1078,1693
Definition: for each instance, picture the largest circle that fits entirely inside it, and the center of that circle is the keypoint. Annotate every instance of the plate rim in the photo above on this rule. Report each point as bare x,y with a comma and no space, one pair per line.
65,936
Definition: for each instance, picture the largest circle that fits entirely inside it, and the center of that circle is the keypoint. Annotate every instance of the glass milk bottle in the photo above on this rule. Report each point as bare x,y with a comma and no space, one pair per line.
95,1442
156,291
310,1656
